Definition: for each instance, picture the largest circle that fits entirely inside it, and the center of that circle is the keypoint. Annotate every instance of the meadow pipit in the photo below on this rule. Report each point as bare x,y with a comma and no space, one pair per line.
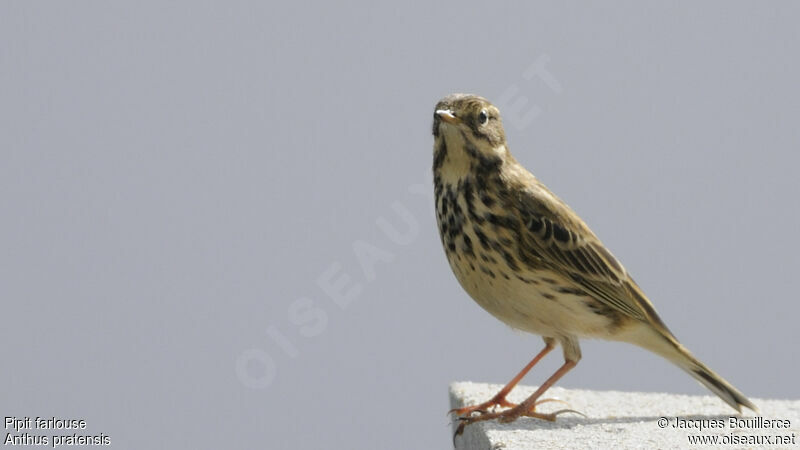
529,260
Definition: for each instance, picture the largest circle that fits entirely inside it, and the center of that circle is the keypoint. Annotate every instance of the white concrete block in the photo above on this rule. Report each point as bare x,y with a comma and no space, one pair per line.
629,420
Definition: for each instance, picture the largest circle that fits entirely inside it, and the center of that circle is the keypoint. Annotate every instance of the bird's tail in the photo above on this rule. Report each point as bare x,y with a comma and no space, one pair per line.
664,344
708,378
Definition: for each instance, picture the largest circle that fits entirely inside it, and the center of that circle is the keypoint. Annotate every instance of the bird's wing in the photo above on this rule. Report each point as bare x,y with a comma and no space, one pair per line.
555,236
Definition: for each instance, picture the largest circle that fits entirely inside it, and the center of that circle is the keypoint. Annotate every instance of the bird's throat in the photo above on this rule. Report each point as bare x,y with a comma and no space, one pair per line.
457,156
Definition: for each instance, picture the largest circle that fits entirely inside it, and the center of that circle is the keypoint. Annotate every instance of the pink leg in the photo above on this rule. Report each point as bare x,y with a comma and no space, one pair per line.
500,398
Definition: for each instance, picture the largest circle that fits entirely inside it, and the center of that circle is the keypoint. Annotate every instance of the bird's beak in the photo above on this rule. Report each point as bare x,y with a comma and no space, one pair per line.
448,116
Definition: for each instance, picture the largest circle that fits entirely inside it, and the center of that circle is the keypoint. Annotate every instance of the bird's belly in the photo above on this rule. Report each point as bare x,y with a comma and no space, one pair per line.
533,302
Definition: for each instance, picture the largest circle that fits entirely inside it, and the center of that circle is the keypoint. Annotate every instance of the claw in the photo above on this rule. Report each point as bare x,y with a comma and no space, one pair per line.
458,432
546,400
469,417
466,409
562,411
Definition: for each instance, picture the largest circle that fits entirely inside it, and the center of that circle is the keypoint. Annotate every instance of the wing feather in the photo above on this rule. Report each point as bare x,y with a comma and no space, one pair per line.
555,236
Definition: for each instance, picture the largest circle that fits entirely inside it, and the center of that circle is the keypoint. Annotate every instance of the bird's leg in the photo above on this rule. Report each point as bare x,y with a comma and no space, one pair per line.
500,398
526,408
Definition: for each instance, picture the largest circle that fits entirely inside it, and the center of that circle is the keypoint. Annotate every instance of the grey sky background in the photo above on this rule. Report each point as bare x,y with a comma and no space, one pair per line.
177,177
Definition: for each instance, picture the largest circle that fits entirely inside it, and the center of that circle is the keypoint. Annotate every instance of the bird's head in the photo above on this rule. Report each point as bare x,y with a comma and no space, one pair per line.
471,118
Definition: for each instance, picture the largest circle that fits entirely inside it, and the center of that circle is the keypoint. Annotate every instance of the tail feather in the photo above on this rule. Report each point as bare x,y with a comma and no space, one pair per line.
663,343
713,382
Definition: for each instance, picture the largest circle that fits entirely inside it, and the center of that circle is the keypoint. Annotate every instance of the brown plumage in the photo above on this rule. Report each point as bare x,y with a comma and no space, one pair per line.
529,260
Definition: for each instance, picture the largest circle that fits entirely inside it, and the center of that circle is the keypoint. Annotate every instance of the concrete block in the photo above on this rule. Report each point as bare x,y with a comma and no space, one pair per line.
629,420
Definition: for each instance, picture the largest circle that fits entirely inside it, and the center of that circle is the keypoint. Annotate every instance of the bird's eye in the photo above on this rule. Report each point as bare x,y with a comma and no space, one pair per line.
483,117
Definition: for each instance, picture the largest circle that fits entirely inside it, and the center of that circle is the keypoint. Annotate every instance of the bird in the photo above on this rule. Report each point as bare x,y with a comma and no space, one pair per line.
528,259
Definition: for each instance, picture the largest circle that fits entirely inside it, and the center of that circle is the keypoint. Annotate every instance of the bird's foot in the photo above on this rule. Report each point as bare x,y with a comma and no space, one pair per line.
497,400
509,415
